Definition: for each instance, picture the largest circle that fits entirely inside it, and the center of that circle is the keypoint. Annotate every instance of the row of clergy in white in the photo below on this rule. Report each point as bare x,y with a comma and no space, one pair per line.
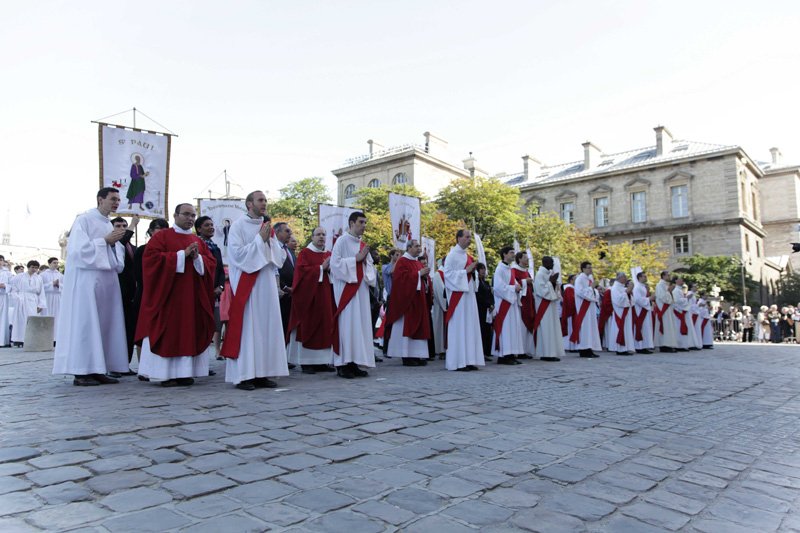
27,293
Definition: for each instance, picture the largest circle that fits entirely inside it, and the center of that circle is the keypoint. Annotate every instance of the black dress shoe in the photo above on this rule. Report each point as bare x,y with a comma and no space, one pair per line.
345,372
264,383
506,360
144,378
103,379
291,366
324,368
380,360
212,373
666,349
128,373
471,368
550,358
422,362
84,381
462,369
170,383
246,385
524,356
185,382
308,369
409,361
220,358
682,349
708,347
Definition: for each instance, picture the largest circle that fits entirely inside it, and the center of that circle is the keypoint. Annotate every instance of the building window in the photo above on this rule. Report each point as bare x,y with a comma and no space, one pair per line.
399,179
747,243
680,201
758,248
374,184
680,244
638,207
568,212
350,191
637,242
601,212
744,199
753,205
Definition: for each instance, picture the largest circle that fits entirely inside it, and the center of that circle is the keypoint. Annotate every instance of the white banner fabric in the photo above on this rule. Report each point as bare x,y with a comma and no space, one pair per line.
223,213
480,251
333,219
429,249
404,212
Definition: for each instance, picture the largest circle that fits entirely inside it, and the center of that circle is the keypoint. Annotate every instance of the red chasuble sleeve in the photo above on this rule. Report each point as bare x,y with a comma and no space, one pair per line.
407,301
528,302
606,310
567,309
312,302
177,310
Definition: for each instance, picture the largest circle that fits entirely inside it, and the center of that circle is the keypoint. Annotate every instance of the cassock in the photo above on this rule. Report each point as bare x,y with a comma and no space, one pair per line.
665,333
620,325
408,311
694,326
585,334
176,319
5,303
508,327
29,293
311,317
127,286
681,318
567,315
286,279
90,338
485,300
527,308
549,341
439,310
52,295
351,282
642,317
254,343
464,346
606,310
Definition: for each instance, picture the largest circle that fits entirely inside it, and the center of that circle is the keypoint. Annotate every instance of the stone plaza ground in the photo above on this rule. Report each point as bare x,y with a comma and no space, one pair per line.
705,441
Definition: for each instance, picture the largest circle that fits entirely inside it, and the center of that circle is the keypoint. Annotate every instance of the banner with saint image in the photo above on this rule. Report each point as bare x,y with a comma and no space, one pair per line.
333,219
429,250
223,213
404,212
137,163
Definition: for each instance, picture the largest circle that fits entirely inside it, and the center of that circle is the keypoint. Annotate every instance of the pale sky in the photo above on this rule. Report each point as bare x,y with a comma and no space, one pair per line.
277,91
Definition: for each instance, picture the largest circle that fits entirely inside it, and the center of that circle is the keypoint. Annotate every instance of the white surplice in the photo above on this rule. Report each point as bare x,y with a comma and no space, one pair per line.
549,342
464,344
641,303
589,334
399,344
298,354
511,340
438,312
29,294
708,330
694,322
161,368
5,304
355,320
90,338
681,303
619,303
262,352
52,295
666,320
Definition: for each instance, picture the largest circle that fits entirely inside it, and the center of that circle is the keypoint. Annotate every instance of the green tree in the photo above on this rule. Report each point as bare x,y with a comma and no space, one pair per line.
723,271
789,289
621,257
299,201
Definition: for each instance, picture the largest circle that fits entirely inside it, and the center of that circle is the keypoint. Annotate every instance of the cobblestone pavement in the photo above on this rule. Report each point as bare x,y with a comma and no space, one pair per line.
696,442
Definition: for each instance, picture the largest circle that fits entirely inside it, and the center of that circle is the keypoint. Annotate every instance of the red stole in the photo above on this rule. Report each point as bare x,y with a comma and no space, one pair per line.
348,293
455,296
567,309
407,302
312,302
694,319
502,312
682,317
621,326
638,321
233,332
177,310
577,322
659,314
528,301
606,310
703,325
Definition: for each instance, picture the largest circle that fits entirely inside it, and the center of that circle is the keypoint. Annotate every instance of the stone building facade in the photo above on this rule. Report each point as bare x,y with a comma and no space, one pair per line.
780,194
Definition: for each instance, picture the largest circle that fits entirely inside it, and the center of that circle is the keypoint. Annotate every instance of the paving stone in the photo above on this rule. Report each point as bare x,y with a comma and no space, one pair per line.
17,502
16,525
705,480
64,493
278,514
579,506
478,513
439,524
752,498
67,516
566,474
214,462
13,469
135,499
232,522
396,477
675,502
158,519
121,462
53,476
623,524
338,453
510,467
199,485
196,449
109,483
713,525
385,512
454,487
511,498
656,515
163,455
296,462
416,500
17,453
260,492
737,513
61,459
169,470
546,521
344,521
360,489
13,484
321,500
488,479
251,472
208,506
625,481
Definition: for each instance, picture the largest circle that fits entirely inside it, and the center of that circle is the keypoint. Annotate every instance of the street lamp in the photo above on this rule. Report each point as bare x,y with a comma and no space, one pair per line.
744,287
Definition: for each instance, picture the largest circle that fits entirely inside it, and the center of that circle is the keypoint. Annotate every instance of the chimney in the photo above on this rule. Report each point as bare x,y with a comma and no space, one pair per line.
374,147
434,145
531,166
591,155
663,140
776,156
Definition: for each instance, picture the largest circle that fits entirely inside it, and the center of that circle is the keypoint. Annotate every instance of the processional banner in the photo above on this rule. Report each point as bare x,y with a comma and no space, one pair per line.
429,250
404,212
137,163
223,212
333,219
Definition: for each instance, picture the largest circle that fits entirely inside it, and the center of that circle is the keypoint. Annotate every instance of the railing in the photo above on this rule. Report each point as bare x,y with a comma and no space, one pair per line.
382,153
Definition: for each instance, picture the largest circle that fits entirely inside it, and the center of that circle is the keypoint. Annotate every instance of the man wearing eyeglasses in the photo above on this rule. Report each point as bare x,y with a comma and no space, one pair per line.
176,319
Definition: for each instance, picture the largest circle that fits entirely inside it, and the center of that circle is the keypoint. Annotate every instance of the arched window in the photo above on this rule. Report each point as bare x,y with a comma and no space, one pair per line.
374,184
350,191
399,179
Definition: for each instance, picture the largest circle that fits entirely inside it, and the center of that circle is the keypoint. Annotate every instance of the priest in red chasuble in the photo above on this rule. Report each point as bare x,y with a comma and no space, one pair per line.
408,311
176,318
311,319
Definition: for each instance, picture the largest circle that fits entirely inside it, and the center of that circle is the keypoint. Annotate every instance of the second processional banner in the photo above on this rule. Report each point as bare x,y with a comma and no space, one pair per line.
405,214
223,213
333,219
137,163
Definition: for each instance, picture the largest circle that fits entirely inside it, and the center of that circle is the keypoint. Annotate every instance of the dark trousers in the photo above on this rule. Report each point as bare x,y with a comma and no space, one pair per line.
747,335
388,329
131,314
486,337
286,310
